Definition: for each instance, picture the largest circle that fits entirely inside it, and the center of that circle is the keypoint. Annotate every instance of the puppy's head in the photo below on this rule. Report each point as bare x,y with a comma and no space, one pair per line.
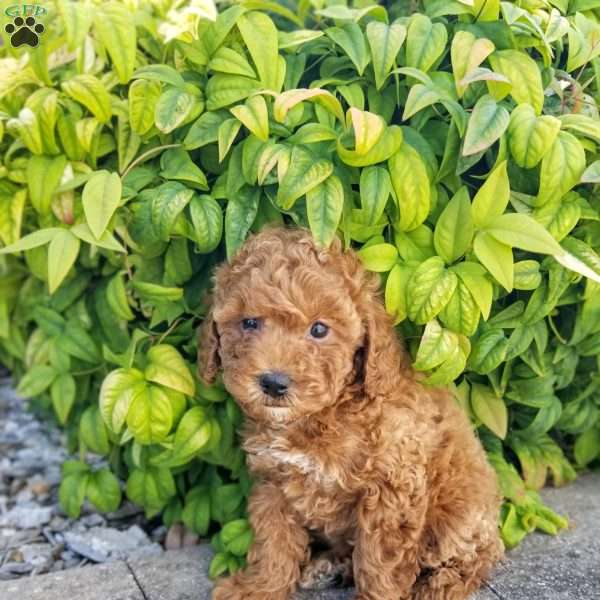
292,325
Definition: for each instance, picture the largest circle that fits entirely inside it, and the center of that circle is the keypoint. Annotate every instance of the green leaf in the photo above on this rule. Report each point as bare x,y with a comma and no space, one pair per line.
114,24
204,131
454,229
196,513
467,53
172,108
425,42
11,216
118,390
106,240
496,257
227,60
324,206
143,96
161,74
419,97
239,216
489,351
487,123
523,73
37,380
62,392
43,177
207,220
387,145
150,415
254,115
260,37
100,198
583,41
489,409
93,432
461,314
192,435
77,19
285,101
71,492
522,231
116,297
395,291
378,257
579,257
89,91
351,40
223,90
429,290
226,135
368,129
411,186
167,367
492,197
530,137
176,164
304,173
150,488
437,345
562,167
33,240
375,189
385,42
169,199
587,446
62,254
103,490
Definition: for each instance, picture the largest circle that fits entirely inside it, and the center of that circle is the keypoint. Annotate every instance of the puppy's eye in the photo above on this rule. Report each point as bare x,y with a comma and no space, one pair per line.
249,324
319,330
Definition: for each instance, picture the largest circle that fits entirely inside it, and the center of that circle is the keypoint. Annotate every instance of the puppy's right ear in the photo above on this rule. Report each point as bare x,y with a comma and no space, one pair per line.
209,361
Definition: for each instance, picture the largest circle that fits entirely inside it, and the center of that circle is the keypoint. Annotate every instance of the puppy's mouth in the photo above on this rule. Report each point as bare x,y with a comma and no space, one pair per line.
277,401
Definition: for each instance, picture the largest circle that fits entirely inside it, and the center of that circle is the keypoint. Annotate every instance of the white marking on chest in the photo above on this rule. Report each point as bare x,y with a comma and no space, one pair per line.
297,459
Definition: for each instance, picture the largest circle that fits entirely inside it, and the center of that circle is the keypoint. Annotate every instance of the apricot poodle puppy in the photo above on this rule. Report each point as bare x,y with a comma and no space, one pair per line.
361,472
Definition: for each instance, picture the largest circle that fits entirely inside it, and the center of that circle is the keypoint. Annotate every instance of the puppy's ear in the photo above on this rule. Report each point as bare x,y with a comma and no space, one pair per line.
209,361
382,357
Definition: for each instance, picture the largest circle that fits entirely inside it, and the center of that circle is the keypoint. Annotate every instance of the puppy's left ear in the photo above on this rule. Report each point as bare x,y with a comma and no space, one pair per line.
209,361
384,362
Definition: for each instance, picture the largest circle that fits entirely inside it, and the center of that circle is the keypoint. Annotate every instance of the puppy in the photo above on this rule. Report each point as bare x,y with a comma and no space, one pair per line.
348,450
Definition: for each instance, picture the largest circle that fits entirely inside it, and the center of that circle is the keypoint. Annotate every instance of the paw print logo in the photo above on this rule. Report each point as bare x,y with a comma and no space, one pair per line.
24,31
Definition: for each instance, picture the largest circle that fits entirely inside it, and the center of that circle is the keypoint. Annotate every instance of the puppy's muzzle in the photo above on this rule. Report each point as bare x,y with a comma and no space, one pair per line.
274,383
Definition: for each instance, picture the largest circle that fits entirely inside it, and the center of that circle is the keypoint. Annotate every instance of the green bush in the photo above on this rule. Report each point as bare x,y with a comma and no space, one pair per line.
455,147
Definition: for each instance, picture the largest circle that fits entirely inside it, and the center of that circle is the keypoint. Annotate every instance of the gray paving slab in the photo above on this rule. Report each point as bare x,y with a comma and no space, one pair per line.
175,575
111,581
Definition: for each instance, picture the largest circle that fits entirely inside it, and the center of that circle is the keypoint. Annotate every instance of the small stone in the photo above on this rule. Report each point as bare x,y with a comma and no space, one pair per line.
17,568
189,539
101,544
158,534
37,555
40,487
93,520
174,539
28,516
58,524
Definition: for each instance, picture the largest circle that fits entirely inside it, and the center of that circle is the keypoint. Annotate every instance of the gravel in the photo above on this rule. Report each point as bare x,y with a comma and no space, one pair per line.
35,534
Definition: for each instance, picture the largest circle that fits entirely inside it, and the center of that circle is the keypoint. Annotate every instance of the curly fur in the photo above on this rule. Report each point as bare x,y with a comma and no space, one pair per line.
358,457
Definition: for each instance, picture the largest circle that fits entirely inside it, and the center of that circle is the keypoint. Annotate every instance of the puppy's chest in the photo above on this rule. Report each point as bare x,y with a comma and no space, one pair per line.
318,492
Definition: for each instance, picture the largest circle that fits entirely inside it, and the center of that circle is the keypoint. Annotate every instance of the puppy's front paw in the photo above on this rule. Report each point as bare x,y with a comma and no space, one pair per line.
239,587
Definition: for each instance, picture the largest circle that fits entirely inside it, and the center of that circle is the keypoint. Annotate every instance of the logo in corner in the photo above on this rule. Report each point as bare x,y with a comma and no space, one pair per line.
25,30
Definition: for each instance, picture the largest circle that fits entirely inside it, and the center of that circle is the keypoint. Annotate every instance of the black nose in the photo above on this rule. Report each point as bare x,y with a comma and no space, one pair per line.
274,383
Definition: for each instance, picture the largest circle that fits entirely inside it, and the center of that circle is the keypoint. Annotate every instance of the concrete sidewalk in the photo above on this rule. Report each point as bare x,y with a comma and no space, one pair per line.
566,567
